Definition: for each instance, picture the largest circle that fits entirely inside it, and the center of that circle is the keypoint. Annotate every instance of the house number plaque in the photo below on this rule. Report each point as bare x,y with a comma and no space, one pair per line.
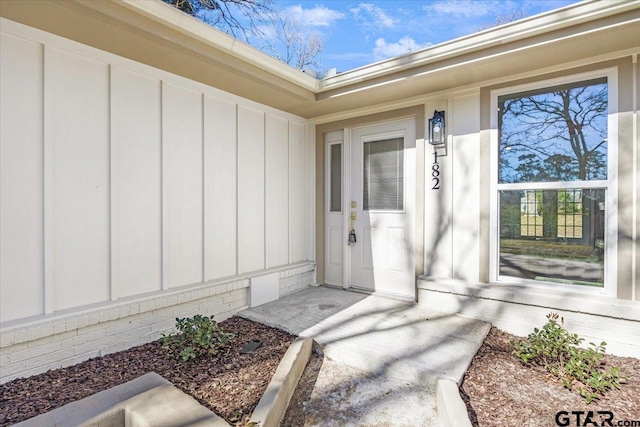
435,171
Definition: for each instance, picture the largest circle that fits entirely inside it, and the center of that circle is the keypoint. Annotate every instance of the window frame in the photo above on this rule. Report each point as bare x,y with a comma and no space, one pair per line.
381,137
610,185
329,176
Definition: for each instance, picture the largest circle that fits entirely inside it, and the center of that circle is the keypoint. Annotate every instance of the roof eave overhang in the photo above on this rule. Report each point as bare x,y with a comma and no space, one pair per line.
197,30
553,21
158,35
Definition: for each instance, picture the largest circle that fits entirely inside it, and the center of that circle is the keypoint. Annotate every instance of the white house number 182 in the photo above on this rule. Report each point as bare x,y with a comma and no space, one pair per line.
435,172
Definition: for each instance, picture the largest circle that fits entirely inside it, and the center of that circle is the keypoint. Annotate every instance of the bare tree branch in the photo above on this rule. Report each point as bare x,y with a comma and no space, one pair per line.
236,17
292,45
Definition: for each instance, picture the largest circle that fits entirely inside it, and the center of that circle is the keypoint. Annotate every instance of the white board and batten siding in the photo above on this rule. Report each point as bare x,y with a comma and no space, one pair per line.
119,179
451,231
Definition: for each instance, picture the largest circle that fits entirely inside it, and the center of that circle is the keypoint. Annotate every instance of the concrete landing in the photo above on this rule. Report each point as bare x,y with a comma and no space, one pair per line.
395,351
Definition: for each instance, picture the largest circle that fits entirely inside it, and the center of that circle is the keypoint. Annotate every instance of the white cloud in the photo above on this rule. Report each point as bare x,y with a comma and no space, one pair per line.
319,16
406,44
349,56
465,8
373,15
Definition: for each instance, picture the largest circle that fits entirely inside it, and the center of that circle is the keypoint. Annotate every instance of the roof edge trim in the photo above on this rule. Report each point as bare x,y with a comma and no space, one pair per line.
179,21
586,11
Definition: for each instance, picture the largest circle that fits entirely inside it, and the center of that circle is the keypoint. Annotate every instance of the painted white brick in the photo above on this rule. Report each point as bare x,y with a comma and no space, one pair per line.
70,339
159,303
133,334
15,348
42,346
234,296
21,336
93,345
180,312
88,336
40,331
23,373
34,362
59,326
71,323
144,306
94,318
115,328
79,358
68,342
7,339
125,345
5,359
123,311
134,309
82,321
13,369
160,327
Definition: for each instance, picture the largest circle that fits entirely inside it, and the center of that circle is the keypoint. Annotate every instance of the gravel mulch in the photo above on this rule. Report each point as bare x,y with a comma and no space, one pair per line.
229,383
500,391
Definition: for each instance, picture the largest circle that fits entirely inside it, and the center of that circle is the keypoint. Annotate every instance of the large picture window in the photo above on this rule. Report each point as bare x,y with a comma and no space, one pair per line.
553,183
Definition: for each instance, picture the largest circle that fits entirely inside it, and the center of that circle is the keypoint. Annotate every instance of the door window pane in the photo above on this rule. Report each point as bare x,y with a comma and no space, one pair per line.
553,235
383,178
336,177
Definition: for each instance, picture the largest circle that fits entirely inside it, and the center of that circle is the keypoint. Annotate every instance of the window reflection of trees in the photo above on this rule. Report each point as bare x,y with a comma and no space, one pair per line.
555,136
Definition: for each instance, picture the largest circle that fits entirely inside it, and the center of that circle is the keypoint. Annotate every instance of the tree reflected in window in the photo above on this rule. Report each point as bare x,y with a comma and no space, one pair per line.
552,183
557,134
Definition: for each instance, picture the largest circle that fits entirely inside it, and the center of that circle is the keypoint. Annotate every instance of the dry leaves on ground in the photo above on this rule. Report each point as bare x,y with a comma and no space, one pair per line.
500,391
229,383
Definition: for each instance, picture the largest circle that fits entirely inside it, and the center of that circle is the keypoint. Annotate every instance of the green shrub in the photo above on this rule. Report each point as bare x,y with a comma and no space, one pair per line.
558,351
197,335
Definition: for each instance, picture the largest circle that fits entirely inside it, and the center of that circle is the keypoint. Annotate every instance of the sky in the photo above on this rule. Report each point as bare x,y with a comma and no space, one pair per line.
360,33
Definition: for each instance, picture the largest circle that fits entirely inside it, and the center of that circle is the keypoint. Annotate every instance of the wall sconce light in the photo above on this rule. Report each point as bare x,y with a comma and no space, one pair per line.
437,133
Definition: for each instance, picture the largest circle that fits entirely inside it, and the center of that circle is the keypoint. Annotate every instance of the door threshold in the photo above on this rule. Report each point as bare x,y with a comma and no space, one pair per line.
388,295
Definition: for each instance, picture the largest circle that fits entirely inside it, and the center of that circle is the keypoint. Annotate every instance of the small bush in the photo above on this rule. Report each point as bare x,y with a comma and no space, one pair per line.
197,335
558,351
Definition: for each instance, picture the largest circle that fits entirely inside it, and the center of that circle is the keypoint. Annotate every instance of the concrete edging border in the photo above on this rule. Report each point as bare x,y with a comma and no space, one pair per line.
275,400
452,411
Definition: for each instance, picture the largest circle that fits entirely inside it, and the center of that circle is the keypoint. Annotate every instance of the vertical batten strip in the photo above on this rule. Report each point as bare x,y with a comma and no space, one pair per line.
204,183
163,198
311,193
288,191
113,286
237,192
634,174
49,276
264,189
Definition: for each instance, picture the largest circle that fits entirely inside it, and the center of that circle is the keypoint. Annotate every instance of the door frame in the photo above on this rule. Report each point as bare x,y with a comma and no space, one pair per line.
347,196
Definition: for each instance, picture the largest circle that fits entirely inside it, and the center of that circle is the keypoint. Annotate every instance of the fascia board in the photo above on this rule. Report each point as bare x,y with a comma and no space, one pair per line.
582,12
179,21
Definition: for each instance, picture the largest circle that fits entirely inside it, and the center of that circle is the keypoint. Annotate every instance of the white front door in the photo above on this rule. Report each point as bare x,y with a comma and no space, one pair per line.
382,196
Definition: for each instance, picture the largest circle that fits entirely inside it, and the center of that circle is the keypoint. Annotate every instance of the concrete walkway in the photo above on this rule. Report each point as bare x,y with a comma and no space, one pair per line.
383,356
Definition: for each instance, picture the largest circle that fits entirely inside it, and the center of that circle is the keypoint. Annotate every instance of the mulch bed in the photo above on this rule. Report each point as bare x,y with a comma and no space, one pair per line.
500,391
229,383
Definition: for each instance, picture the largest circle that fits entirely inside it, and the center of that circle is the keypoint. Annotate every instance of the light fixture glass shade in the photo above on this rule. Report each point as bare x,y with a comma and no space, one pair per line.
437,132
